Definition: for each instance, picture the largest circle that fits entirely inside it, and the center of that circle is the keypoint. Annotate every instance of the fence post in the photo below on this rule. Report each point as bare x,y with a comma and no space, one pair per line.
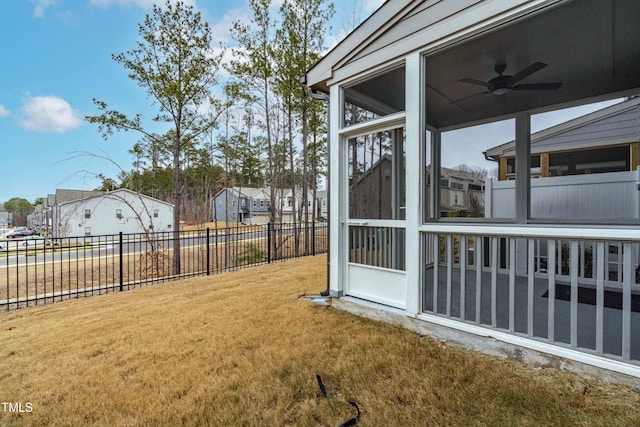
208,252
120,261
268,242
313,238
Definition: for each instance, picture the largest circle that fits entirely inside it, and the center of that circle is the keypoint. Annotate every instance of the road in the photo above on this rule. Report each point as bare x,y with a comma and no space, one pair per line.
17,254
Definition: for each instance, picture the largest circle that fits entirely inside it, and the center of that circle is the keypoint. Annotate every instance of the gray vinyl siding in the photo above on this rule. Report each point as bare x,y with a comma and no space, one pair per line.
620,127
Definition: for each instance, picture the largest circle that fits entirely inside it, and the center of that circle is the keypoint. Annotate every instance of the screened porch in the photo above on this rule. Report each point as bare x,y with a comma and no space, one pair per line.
425,223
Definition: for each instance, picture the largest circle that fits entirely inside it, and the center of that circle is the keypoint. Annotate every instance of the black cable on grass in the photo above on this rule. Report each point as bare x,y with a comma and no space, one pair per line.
351,422
323,390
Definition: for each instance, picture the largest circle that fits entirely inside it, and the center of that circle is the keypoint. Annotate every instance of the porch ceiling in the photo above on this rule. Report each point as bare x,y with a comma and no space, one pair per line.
590,46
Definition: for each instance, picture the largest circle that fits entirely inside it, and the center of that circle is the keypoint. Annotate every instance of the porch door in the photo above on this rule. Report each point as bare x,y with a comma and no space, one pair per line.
375,223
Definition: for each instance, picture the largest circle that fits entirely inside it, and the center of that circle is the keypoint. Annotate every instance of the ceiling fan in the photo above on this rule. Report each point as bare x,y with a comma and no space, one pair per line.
502,84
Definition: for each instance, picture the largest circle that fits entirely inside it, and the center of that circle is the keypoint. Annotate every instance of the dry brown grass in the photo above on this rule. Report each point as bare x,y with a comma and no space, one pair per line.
243,349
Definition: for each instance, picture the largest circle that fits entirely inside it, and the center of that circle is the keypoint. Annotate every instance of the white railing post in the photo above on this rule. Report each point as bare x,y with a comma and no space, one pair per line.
531,283
436,270
551,292
463,249
600,259
478,249
573,273
628,277
494,281
449,262
512,285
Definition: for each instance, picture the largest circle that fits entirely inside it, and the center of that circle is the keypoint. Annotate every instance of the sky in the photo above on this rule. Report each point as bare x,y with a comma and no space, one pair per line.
57,57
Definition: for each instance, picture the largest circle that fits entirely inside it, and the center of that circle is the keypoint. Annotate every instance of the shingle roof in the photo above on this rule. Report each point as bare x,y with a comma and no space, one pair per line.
65,196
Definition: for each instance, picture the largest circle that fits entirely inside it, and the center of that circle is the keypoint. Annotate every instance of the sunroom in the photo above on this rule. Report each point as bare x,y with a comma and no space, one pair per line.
417,94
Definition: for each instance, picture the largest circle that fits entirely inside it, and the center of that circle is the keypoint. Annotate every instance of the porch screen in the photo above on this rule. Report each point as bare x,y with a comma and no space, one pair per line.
375,97
468,181
377,176
376,180
589,161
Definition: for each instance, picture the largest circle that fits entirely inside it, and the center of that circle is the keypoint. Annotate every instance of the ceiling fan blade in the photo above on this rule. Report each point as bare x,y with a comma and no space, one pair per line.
475,82
538,86
536,66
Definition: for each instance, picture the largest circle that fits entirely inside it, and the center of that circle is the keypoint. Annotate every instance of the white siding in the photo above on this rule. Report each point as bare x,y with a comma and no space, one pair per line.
580,197
137,213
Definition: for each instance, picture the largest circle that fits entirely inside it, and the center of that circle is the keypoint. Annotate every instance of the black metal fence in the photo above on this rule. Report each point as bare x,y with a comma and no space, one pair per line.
40,270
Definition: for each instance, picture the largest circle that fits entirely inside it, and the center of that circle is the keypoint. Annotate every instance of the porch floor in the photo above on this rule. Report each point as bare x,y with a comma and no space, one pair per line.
586,313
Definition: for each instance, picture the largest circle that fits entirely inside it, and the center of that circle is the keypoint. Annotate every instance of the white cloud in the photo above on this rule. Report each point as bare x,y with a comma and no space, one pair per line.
41,6
3,111
49,114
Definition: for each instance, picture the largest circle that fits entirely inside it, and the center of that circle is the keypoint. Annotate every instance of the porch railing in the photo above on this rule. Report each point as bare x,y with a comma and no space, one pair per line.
577,288
377,246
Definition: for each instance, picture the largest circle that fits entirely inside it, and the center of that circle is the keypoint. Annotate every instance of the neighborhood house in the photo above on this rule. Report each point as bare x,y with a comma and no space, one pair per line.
103,213
251,205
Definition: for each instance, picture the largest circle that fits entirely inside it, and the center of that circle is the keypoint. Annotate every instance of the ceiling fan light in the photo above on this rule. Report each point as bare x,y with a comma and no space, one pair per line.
500,91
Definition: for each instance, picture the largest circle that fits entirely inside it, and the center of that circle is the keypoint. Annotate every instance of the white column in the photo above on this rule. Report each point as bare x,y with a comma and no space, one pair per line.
414,89
338,254
488,199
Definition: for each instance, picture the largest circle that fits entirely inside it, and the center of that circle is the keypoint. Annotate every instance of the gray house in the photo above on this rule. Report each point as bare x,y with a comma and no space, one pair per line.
411,81
242,205
461,192
590,161
251,205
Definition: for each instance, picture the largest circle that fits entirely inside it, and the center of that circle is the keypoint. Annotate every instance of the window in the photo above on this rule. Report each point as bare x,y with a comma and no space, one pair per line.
243,203
155,213
255,203
457,185
87,213
119,213
262,203
510,172
87,231
585,162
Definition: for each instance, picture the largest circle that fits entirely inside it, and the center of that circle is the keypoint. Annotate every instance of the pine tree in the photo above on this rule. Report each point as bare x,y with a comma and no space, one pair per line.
176,65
